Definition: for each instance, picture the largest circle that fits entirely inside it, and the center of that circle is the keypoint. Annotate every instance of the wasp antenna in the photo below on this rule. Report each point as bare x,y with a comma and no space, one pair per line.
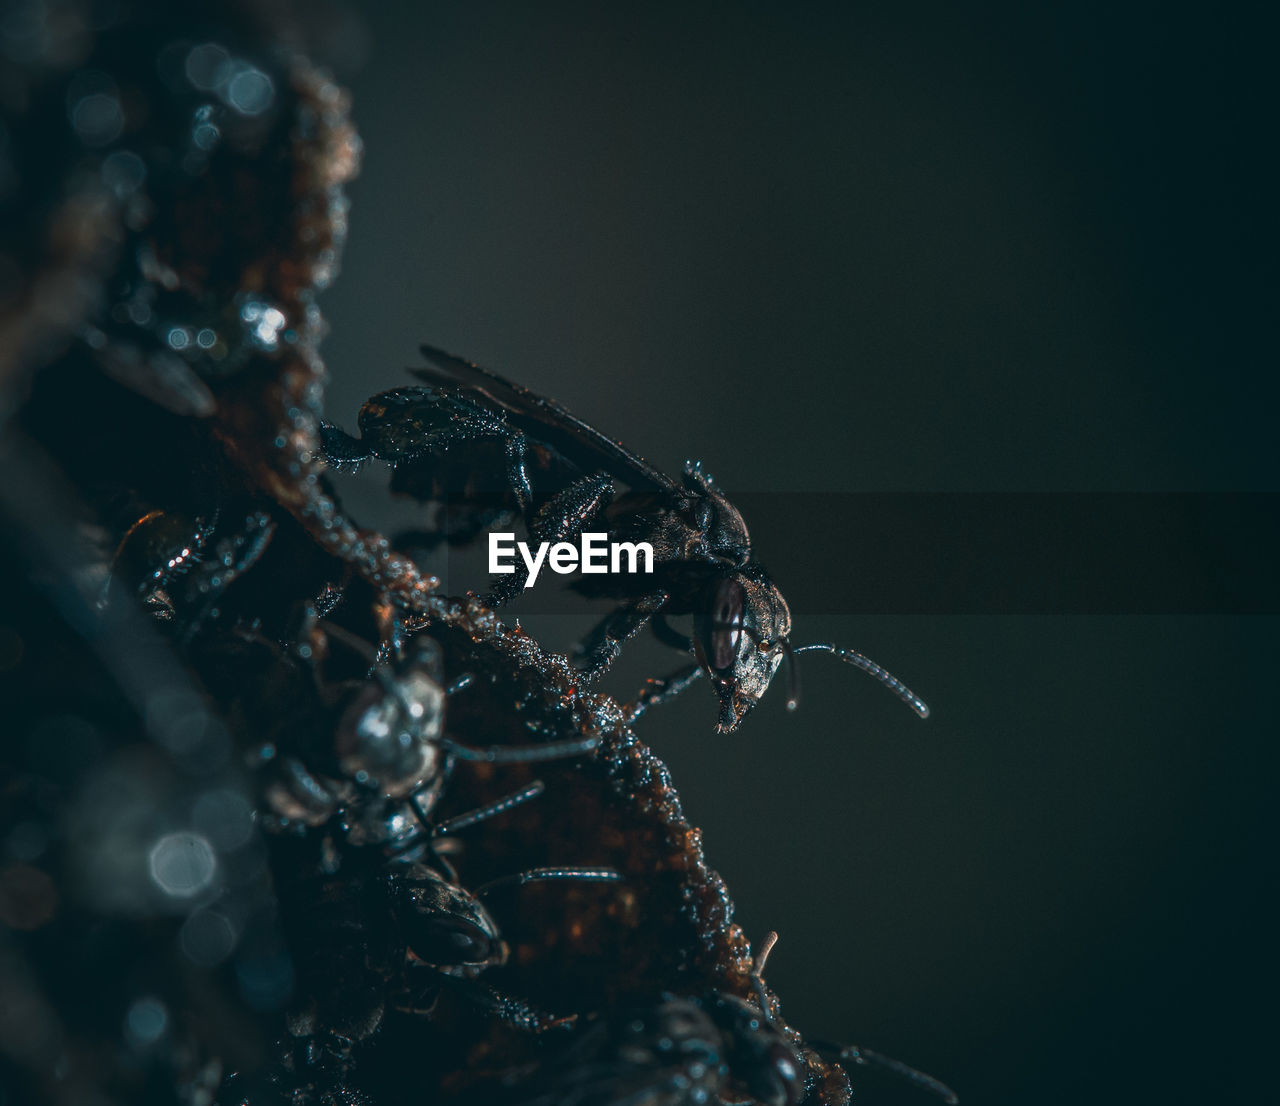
545,875
867,1058
872,669
498,806
517,754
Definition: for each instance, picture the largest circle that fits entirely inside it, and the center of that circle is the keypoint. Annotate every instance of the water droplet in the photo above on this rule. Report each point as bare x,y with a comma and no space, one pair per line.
123,172
182,864
207,937
207,66
98,118
249,91
205,134
263,323
145,1022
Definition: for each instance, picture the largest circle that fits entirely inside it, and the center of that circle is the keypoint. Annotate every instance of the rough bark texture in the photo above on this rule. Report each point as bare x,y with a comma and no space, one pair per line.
173,201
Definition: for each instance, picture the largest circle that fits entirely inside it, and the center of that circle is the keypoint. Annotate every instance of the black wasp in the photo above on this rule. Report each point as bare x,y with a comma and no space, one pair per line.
379,924
375,939
707,1049
675,1051
386,760
690,1050
560,476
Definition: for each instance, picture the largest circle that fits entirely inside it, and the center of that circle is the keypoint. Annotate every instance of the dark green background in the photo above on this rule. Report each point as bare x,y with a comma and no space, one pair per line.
910,247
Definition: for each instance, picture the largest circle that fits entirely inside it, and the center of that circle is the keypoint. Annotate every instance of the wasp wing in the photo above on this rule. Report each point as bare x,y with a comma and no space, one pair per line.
545,420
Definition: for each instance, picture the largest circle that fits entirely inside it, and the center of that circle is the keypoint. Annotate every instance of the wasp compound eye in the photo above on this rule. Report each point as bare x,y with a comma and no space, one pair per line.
720,628
449,940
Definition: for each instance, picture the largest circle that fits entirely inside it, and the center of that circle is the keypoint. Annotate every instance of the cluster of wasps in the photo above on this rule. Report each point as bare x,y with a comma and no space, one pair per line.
304,829
404,852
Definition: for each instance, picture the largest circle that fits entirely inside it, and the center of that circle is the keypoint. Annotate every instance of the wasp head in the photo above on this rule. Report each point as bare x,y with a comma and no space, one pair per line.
740,637
444,924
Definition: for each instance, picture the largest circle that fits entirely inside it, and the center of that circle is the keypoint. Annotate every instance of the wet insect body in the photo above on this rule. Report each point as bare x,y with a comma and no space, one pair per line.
562,474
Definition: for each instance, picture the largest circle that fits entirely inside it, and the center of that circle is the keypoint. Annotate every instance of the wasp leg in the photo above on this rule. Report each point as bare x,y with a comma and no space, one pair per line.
472,429
513,1012
431,833
566,514
341,450
157,549
347,453
601,647
229,559
658,691
562,518
669,635
517,470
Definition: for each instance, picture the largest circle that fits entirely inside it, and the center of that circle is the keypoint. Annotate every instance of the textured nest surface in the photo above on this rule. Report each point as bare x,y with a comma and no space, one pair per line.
173,202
